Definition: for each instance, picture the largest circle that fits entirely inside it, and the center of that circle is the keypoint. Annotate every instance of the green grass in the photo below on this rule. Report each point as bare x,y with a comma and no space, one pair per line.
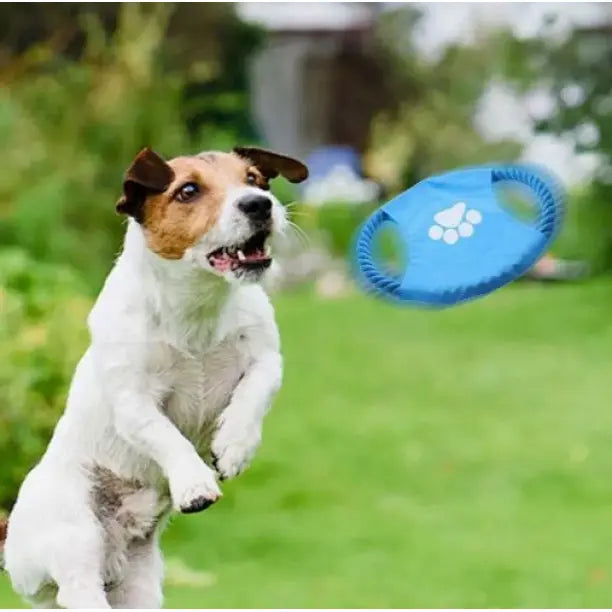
422,459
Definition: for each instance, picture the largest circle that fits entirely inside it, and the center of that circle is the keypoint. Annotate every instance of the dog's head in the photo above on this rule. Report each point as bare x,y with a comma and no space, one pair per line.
214,209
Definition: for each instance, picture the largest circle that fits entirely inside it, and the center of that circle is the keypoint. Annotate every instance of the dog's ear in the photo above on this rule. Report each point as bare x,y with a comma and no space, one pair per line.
272,164
148,173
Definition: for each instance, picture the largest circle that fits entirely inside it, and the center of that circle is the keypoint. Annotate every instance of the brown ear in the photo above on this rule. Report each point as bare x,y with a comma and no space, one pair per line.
272,164
149,173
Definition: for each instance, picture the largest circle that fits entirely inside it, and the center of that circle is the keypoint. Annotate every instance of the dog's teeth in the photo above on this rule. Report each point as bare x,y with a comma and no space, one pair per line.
241,256
268,250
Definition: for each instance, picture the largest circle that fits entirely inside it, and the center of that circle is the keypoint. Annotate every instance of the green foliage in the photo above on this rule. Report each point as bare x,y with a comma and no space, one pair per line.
587,231
42,333
72,127
430,129
576,70
335,223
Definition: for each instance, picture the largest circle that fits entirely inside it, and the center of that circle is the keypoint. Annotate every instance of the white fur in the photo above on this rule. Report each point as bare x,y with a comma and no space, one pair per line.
183,362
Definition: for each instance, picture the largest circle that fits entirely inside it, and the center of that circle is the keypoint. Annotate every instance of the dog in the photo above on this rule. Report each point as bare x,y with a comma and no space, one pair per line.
183,364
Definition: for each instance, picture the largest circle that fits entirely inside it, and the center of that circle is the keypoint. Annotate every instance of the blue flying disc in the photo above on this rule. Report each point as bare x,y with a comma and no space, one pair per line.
459,241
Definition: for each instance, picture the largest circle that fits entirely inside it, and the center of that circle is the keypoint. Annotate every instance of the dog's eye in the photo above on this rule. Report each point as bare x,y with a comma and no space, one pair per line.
251,179
187,192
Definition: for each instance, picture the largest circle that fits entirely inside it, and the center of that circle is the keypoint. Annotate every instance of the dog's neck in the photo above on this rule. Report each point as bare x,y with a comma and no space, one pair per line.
185,300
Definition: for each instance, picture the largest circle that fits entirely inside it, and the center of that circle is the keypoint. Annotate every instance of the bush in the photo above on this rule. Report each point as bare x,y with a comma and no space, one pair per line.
72,127
587,231
334,224
42,334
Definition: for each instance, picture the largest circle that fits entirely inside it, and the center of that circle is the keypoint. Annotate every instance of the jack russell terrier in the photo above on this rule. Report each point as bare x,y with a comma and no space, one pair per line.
183,364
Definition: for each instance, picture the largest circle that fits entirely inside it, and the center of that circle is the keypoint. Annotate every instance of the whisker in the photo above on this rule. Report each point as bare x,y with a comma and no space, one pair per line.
300,234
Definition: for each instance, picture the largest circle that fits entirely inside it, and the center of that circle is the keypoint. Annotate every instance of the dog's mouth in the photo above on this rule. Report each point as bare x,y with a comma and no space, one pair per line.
254,254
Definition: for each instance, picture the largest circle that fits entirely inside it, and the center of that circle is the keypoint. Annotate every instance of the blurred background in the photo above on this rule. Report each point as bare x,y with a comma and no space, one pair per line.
413,459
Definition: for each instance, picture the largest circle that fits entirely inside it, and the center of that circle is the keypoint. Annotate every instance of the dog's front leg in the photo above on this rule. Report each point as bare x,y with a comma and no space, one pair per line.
239,429
139,421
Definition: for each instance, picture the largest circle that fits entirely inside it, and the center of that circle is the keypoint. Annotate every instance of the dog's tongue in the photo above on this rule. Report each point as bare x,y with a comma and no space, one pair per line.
221,261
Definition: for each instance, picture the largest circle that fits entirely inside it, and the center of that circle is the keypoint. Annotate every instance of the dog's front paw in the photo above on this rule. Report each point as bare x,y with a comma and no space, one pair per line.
233,448
196,491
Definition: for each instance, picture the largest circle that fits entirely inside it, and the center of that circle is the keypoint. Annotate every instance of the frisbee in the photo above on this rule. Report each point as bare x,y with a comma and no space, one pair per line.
459,240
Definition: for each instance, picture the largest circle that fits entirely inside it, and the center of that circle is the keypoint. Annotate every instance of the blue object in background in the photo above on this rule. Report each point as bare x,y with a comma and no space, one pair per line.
460,243
322,160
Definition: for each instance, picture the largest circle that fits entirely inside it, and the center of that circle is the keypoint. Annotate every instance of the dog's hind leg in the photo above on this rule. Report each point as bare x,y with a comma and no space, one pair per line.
141,586
76,566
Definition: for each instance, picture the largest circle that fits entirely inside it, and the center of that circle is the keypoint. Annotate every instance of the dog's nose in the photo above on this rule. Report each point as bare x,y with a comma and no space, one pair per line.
256,207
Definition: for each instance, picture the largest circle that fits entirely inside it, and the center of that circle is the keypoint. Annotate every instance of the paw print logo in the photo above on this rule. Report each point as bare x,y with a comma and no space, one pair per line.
454,223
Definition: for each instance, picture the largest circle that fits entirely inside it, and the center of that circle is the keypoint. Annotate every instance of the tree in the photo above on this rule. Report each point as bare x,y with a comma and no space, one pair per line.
577,71
429,128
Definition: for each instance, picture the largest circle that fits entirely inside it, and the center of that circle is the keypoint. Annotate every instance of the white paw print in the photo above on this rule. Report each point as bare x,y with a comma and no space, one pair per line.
454,223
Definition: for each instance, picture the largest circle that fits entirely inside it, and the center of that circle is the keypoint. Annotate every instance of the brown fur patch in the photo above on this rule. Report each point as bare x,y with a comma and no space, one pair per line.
3,529
123,503
109,492
272,164
171,226
129,513
149,173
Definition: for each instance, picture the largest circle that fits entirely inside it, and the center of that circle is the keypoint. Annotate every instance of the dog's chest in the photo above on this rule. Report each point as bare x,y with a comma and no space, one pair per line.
201,386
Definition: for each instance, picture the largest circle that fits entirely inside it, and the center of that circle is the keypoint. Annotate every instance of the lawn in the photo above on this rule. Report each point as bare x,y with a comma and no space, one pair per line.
460,458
